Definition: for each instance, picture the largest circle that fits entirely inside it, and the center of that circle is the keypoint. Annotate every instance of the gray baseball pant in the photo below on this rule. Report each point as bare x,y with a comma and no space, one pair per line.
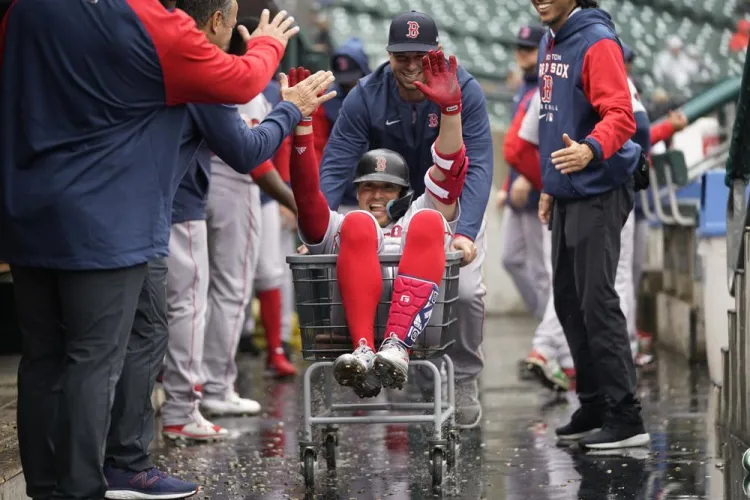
187,295
233,234
523,258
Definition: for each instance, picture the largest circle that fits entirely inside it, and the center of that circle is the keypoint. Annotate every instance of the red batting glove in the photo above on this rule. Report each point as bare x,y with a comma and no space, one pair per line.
441,84
297,75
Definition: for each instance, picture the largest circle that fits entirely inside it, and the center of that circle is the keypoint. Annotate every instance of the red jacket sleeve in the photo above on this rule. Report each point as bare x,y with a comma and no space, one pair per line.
321,130
195,70
261,170
282,157
605,84
522,155
506,184
313,213
661,131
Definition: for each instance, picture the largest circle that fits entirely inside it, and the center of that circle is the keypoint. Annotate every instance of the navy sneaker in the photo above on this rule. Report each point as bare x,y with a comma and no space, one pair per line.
148,484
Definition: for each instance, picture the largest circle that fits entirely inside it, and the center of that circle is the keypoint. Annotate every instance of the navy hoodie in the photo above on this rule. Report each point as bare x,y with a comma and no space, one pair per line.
584,93
91,114
530,82
356,50
375,116
221,130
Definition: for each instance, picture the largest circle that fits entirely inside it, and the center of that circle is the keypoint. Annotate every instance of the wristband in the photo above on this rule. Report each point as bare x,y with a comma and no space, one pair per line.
448,190
306,121
451,110
447,162
586,143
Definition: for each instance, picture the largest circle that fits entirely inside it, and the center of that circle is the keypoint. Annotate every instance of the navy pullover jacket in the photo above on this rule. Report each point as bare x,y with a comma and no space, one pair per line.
90,125
584,93
221,130
375,116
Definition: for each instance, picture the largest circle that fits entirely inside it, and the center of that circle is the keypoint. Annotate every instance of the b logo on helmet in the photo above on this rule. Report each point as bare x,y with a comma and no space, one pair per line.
381,164
413,29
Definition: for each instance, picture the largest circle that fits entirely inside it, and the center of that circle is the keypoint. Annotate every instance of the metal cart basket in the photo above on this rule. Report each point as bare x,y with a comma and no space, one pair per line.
325,336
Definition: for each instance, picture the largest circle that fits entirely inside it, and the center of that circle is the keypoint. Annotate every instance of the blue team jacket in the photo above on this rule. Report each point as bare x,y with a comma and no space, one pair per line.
565,108
374,116
91,115
221,130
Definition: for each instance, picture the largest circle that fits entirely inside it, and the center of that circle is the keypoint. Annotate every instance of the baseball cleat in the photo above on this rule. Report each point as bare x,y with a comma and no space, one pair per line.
199,429
234,405
391,363
355,370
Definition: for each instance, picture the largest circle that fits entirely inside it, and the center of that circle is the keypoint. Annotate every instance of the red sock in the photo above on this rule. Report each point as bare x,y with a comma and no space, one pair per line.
359,277
270,315
419,273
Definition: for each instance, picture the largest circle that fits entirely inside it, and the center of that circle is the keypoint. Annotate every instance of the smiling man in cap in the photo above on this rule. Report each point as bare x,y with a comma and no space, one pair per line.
386,110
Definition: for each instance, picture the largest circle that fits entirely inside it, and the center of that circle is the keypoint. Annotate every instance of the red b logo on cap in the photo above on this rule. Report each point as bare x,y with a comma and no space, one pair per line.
525,32
413,29
380,167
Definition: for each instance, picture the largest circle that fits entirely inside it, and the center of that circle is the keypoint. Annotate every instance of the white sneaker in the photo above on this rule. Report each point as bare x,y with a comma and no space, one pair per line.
355,370
199,429
233,405
391,363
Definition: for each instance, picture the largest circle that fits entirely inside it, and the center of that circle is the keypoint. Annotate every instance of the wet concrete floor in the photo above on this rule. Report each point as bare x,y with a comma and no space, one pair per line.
512,455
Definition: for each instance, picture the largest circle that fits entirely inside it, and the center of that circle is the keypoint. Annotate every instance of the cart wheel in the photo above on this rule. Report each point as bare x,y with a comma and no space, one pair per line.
452,450
437,468
308,468
330,444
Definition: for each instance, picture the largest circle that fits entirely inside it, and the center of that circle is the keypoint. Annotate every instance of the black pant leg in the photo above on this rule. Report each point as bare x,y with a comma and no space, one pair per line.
98,308
568,308
40,374
132,427
592,230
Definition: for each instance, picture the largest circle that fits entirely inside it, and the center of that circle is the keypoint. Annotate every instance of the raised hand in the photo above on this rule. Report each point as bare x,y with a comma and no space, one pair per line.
306,91
441,83
279,28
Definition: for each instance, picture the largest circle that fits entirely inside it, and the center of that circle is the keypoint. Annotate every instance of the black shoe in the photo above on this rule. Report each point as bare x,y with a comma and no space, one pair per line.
623,428
586,419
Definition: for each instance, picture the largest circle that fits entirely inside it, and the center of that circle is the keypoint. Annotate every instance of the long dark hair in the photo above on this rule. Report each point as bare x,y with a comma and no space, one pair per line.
587,4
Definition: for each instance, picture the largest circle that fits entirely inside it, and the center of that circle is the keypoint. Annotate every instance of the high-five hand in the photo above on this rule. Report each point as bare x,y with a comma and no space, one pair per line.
441,83
279,28
305,91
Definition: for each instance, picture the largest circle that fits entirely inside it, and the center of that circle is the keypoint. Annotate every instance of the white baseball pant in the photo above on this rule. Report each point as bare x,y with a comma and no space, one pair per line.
639,250
187,292
233,221
524,259
288,247
549,338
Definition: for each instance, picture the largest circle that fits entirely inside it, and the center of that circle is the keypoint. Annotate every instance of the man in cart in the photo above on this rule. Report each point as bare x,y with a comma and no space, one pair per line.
388,221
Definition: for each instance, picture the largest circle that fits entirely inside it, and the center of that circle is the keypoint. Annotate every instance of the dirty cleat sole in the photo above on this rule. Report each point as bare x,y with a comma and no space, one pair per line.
348,371
390,376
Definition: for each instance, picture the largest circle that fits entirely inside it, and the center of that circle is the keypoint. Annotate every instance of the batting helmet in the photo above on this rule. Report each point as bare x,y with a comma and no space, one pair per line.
384,165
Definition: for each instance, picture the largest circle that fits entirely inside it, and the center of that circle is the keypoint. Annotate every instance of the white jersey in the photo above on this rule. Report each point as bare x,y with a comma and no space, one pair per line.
253,113
635,98
529,130
391,237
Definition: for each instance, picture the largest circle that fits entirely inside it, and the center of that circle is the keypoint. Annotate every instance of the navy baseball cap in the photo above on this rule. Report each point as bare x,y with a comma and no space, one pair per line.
413,32
346,70
530,36
627,54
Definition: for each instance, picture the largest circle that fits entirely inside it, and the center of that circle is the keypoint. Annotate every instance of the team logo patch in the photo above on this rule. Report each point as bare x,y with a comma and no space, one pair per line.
546,89
381,164
343,63
300,149
525,32
413,29
433,123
